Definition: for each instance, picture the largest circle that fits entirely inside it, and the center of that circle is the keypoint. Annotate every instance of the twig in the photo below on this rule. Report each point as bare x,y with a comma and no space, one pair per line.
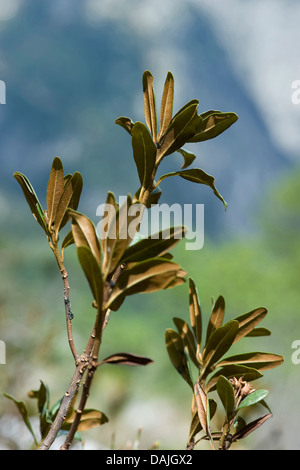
84,397
65,405
92,349
67,303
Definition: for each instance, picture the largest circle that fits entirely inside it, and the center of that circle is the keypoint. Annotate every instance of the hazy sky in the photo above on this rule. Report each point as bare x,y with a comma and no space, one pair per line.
261,37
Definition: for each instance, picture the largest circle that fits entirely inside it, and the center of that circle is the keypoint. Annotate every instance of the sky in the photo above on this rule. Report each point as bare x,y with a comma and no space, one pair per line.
267,30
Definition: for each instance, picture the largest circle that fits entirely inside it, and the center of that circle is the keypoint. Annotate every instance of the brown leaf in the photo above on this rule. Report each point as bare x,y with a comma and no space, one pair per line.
188,338
92,271
175,349
69,199
201,401
216,318
155,245
126,123
89,419
195,313
166,108
218,344
146,276
120,235
257,360
32,200
84,234
149,103
248,322
110,210
249,428
54,189
127,359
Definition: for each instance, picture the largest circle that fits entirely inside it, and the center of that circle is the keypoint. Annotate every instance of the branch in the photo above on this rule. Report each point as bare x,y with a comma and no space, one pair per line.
85,394
92,349
67,303
65,405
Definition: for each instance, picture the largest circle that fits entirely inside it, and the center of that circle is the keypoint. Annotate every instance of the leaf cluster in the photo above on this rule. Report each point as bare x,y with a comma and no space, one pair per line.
151,145
47,414
190,345
63,192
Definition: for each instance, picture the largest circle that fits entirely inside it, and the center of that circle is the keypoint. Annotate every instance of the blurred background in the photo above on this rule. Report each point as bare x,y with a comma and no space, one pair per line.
71,67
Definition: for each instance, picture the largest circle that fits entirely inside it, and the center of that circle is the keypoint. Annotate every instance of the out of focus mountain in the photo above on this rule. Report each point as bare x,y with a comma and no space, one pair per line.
72,67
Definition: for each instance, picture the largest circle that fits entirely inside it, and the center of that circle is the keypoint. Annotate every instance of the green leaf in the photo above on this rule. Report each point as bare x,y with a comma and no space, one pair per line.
246,430
54,189
218,344
239,423
126,123
92,272
213,124
258,360
182,128
149,103
226,394
195,313
166,108
127,359
42,395
253,398
188,158
185,107
155,245
84,234
216,318
144,152
196,176
32,200
188,338
248,322
24,413
175,348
